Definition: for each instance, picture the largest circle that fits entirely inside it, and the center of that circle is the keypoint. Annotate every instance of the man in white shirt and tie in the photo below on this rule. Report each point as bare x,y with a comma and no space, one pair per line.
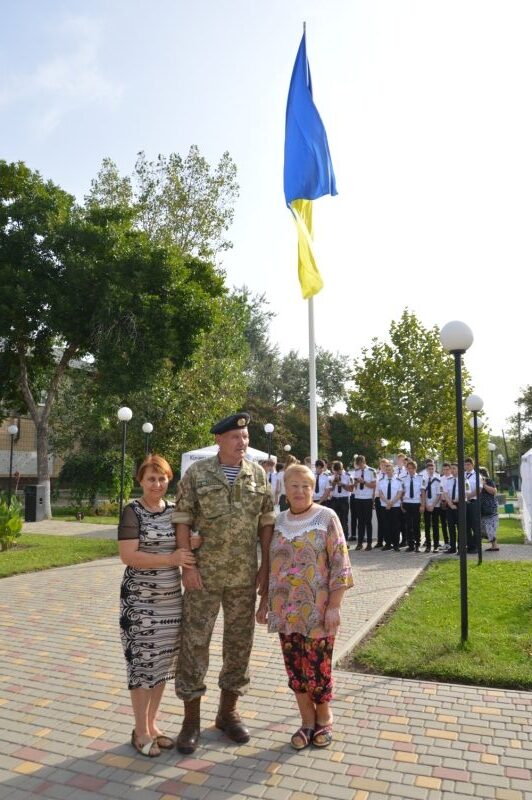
431,514
471,494
390,493
413,499
450,493
364,484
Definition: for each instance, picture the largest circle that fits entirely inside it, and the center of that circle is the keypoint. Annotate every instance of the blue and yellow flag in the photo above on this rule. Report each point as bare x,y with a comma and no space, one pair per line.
308,170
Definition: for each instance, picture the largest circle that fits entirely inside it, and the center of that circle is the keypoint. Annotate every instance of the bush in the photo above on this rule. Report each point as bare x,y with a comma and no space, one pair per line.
89,475
11,521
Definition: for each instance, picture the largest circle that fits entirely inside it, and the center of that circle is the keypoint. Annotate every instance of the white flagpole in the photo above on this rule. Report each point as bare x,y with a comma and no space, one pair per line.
312,383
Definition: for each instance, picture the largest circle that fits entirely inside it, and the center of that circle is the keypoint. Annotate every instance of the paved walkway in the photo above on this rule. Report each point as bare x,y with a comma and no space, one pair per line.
65,718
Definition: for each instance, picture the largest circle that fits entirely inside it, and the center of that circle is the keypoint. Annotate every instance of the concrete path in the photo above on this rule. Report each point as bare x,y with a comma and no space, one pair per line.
65,718
58,527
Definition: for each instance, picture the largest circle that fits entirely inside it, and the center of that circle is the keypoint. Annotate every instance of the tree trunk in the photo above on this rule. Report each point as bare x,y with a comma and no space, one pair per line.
41,415
43,471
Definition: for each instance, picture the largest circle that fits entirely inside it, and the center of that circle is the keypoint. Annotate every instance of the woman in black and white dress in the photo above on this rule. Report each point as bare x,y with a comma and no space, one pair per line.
150,601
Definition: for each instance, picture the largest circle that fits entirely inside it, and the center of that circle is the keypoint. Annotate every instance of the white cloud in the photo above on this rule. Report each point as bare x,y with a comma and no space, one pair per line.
65,82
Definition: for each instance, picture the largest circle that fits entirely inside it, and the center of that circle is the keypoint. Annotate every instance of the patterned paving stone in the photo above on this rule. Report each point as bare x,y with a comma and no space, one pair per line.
65,718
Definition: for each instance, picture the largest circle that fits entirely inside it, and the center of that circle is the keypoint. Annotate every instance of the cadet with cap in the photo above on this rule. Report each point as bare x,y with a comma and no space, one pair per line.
227,499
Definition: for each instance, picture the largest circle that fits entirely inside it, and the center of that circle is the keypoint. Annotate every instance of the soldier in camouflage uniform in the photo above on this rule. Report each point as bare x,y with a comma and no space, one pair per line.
227,499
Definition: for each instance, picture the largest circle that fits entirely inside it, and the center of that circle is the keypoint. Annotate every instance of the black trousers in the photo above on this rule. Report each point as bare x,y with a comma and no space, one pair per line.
379,511
471,526
364,514
452,526
442,510
352,509
392,523
432,521
412,519
341,506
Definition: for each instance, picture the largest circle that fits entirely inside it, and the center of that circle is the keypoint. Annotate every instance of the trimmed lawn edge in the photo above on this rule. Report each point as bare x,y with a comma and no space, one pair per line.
347,660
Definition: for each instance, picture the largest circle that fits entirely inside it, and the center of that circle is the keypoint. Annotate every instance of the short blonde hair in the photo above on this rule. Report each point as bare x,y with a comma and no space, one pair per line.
302,470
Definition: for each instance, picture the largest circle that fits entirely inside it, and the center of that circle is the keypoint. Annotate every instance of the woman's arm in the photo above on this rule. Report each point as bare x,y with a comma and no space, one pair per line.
131,556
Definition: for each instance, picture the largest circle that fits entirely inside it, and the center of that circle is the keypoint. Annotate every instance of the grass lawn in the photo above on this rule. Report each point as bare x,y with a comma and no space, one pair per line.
510,531
68,514
421,639
36,552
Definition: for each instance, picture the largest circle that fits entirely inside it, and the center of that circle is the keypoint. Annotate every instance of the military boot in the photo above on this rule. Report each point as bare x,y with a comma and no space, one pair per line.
228,719
188,738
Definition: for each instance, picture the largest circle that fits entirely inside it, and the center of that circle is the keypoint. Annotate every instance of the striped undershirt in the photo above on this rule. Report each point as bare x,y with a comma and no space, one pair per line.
230,473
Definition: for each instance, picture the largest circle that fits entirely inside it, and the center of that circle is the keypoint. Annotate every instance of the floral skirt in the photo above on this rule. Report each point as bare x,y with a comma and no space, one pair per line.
489,525
308,664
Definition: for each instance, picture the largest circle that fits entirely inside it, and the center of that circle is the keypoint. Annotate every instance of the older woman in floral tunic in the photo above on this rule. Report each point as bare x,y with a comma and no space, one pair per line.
309,573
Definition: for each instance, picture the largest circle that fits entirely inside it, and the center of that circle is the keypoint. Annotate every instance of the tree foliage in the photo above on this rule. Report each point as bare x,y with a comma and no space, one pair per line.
89,474
404,391
77,282
178,200
181,405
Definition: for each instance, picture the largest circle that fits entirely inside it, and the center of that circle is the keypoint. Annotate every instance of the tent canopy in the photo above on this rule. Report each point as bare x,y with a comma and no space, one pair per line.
206,452
526,495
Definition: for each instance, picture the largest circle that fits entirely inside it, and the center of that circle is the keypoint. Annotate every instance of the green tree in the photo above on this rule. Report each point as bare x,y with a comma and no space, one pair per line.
84,282
181,405
404,391
176,199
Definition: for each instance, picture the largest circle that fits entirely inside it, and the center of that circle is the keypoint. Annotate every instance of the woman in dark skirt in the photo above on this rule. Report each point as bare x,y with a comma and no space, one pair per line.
150,601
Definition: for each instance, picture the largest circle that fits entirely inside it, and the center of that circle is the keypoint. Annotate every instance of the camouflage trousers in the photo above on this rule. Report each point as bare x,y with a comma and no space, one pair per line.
200,610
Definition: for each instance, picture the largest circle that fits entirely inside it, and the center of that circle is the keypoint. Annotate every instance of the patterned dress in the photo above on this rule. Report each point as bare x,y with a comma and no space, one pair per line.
308,560
150,600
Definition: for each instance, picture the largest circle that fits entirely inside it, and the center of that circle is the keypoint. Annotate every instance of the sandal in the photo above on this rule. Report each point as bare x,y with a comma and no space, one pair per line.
149,749
302,738
323,735
164,742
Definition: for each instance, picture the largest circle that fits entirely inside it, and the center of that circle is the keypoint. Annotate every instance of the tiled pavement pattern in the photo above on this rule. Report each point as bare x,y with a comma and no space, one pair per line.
65,718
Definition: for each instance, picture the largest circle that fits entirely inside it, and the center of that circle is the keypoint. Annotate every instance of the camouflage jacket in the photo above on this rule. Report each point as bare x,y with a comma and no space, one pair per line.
227,517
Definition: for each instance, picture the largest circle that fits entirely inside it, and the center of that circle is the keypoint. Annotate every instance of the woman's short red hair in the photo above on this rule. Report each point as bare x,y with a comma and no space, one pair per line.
157,463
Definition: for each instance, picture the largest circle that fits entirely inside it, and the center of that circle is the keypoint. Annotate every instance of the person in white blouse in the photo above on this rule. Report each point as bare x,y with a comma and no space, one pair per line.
340,486
365,481
413,505
390,493
322,484
431,515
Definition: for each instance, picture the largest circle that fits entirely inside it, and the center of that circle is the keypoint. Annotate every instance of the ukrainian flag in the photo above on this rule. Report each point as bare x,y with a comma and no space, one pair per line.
308,170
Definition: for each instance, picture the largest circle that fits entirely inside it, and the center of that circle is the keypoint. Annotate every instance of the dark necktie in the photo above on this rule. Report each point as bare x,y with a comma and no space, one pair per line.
317,489
453,495
429,489
269,477
389,490
411,486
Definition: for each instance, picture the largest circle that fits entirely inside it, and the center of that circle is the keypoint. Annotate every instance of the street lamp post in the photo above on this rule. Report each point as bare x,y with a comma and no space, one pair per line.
287,448
147,428
474,403
456,337
124,415
339,454
492,447
12,430
268,430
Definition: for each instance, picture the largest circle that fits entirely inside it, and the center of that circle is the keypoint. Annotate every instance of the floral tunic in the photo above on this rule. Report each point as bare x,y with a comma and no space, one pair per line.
309,559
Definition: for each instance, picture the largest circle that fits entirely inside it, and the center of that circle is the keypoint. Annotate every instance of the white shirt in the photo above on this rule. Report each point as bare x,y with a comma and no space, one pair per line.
425,474
435,492
323,485
396,491
400,472
417,485
344,490
471,483
366,474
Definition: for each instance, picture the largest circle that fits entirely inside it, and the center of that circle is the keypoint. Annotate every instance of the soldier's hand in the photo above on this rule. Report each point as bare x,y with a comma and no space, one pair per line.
192,579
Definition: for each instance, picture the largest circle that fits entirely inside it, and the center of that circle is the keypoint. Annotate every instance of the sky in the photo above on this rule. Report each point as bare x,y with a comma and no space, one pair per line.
427,109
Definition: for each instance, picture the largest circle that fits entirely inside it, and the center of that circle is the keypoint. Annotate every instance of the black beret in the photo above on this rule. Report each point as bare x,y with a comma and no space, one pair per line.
234,422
